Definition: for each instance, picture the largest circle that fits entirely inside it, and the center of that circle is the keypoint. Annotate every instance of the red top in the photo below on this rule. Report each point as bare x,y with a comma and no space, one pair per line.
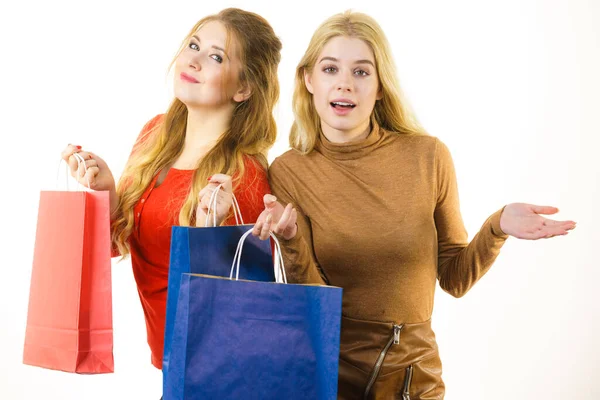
154,215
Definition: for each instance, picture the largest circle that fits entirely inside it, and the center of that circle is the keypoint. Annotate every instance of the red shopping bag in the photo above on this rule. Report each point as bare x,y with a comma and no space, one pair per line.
69,321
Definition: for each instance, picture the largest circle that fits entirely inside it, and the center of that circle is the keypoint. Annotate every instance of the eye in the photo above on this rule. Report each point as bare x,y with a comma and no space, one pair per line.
217,58
361,72
329,70
194,46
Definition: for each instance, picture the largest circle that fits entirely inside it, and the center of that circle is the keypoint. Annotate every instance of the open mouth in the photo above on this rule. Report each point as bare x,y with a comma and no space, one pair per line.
340,105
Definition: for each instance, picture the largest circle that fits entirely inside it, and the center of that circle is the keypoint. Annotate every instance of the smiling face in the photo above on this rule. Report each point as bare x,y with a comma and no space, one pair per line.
345,86
206,72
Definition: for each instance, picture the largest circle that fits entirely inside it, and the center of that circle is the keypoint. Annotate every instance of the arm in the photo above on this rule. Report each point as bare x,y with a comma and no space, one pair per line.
460,263
298,253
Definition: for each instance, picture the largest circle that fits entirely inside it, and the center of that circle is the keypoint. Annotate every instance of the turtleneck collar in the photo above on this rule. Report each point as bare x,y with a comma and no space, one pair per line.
351,150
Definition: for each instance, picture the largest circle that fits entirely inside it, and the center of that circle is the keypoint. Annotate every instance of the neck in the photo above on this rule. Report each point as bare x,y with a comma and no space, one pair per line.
205,127
346,135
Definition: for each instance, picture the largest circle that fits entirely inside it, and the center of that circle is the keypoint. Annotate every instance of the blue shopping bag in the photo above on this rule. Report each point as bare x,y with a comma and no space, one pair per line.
209,251
238,339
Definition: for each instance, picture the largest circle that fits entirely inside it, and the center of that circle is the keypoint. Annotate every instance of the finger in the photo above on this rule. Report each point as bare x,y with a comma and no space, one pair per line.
73,165
223,199
223,196
205,190
266,228
84,154
222,179
90,177
292,227
268,200
203,208
205,201
91,163
555,230
208,189
68,151
257,229
564,225
81,169
274,207
284,220
545,233
547,210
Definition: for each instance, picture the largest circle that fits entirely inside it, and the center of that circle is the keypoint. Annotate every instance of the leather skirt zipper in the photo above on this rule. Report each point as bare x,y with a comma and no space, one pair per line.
394,339
407,382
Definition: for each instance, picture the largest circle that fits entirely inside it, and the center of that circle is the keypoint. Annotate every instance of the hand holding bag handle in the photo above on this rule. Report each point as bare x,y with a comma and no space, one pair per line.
80,161
212,208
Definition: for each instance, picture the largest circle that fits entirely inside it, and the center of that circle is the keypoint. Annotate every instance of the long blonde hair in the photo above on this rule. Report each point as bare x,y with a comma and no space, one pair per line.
252,130
391,112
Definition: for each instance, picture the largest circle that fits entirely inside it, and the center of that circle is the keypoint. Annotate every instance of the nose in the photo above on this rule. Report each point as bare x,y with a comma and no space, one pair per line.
345,83
194,62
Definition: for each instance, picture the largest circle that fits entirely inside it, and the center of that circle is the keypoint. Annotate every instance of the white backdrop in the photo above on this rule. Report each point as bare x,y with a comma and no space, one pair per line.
511,87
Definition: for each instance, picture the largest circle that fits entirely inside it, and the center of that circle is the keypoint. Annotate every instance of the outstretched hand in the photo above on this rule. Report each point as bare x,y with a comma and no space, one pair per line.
525,221
277,219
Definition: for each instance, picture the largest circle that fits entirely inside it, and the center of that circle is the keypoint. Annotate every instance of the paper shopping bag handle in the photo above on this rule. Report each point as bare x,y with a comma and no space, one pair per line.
212,206
80,161
279,269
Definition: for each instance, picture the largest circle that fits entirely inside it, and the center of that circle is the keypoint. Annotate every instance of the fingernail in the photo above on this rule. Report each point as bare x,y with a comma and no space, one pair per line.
79,147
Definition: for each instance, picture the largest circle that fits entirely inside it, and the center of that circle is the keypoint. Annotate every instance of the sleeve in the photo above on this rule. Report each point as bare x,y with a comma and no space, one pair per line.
250,191
143,136
460,263
298,253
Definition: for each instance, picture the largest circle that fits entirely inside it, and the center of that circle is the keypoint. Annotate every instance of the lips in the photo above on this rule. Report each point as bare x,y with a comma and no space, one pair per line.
188,78
342,106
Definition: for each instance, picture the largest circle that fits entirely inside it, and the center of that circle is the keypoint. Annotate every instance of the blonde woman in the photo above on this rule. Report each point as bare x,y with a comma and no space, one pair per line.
371,205
216,131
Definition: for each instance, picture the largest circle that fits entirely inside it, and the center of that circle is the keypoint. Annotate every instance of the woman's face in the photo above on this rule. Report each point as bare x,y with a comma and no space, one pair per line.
344,85
207,73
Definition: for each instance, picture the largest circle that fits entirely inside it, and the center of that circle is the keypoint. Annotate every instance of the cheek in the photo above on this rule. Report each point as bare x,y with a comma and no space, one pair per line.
182,60
213,77
369,89
320,91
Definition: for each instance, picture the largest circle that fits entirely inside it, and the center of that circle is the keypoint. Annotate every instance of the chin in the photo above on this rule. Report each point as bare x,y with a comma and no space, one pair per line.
343,125
189,99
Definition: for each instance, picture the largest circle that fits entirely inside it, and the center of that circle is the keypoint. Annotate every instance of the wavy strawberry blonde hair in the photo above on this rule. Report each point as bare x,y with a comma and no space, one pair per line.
252,130
392,112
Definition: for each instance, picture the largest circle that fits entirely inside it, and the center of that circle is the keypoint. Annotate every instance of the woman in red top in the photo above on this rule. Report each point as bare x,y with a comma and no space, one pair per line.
217,130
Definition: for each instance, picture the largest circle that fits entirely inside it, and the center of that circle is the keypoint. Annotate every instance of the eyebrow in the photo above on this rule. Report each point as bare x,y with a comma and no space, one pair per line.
356,62
213,46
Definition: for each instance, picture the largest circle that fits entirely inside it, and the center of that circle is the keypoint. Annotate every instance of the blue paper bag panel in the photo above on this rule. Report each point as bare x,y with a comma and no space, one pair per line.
254,340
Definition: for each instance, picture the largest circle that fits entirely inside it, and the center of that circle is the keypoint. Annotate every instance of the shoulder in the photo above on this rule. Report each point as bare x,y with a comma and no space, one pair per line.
154,122
290,160
424,146
252,164
254,176
421,142
149,128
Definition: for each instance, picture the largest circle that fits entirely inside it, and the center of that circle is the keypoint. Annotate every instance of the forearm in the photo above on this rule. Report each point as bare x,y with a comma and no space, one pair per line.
461,267
299,263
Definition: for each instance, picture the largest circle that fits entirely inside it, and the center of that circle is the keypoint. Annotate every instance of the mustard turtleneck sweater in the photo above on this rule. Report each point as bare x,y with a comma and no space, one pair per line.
380,217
